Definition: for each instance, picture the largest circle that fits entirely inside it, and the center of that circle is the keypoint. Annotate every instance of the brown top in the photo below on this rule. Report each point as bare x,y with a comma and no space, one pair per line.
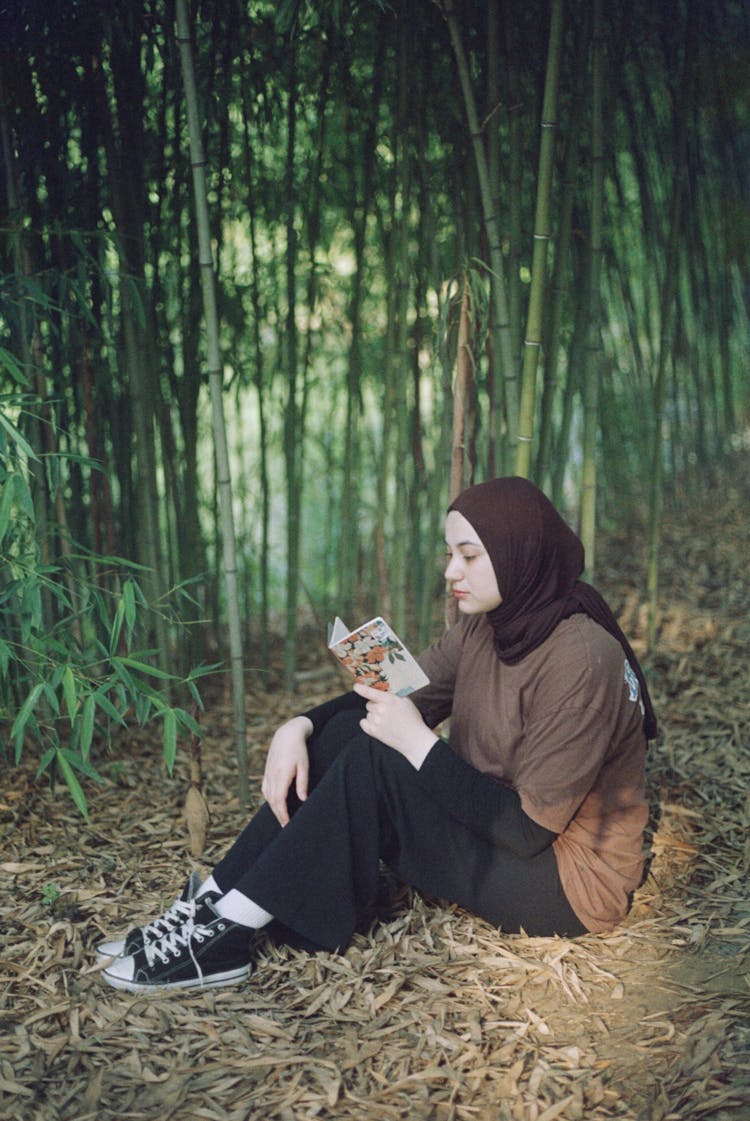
564,728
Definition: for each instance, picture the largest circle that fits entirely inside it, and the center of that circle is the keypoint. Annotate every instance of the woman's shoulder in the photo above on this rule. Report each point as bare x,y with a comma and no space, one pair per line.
583,635
579,656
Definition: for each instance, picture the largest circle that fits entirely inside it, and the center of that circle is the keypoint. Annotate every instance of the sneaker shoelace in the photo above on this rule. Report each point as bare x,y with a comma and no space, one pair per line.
179,938
172,918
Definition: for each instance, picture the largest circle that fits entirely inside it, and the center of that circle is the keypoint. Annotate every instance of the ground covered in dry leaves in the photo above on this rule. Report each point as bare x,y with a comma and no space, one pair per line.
430,1014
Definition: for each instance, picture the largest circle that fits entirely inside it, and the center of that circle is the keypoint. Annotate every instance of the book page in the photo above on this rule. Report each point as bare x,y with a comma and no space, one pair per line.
375,655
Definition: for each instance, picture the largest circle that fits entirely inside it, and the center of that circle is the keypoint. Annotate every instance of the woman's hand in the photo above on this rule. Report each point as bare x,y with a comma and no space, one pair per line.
397,722
287,762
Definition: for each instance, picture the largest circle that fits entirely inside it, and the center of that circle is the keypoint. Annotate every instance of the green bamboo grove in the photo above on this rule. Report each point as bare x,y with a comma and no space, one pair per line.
230,315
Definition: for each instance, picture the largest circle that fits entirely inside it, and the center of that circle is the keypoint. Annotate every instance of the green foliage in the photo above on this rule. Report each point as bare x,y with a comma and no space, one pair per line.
50,894
344,198
70,667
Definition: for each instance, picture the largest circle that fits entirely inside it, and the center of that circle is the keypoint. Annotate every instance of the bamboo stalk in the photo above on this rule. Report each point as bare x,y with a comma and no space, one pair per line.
292,415
560,284
259,384
515,195
360,205
533,339
496,452
503,343
224,481
403,522
667,301
462,388
593,334
26,330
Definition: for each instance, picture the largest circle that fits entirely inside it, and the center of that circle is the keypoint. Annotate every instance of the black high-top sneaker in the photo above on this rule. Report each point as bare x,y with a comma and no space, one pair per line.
170,920
206,951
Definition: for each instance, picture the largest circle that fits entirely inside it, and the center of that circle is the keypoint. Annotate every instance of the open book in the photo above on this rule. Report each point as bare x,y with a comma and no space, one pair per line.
376,657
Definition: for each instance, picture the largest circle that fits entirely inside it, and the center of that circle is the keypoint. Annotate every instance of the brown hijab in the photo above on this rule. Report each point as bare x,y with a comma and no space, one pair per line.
537,561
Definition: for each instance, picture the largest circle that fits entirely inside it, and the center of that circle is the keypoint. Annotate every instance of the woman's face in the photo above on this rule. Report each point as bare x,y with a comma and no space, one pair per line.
469,569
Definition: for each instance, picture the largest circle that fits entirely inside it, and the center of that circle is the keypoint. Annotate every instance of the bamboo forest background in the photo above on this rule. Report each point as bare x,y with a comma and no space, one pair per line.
574,178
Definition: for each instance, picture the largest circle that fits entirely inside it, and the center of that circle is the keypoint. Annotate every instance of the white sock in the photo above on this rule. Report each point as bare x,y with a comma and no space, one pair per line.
208,885
237,907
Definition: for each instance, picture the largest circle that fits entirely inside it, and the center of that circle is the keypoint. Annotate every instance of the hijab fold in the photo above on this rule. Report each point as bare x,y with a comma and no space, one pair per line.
537,559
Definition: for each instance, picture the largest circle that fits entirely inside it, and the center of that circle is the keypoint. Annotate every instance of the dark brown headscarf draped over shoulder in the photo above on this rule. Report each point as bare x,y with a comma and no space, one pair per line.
537,560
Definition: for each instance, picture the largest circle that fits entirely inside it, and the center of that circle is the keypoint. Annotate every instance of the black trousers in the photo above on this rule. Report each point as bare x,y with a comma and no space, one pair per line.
317,873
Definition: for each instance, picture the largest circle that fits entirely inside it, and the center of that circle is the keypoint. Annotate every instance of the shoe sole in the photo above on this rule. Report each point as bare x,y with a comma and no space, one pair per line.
105,955
214,981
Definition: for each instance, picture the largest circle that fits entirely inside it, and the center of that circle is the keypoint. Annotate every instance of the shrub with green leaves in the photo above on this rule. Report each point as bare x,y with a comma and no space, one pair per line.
70,669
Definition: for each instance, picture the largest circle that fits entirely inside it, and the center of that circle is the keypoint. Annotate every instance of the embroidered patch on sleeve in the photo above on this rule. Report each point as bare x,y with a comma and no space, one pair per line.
631,681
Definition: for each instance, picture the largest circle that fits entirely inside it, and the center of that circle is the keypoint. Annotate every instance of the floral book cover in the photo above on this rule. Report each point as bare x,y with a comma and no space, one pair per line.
375,655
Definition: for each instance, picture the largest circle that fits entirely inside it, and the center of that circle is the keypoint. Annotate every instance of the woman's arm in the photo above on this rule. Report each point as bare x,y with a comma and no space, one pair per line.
287,762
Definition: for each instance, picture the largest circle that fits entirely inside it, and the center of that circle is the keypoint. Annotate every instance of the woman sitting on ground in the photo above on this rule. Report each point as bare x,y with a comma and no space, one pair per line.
531,815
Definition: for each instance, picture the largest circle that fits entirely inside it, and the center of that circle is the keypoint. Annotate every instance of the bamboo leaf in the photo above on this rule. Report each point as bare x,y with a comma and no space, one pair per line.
79,243
144,707
144,667
51,696
80,460
87,725
13,366
37,295
194,692
134,293
81,764
170,738
286,15
83,303
105,559
18,439
128,600
105,704
57,676
139,596
45,761
203,671
24,499
73,784
6,499
122,673
25,711
70,692
188,721
31,726
114,634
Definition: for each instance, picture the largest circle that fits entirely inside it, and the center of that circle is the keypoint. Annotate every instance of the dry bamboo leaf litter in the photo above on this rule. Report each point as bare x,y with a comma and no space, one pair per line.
430,1013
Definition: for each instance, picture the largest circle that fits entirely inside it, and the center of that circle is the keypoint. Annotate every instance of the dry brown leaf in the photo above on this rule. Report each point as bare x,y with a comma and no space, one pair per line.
197,818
